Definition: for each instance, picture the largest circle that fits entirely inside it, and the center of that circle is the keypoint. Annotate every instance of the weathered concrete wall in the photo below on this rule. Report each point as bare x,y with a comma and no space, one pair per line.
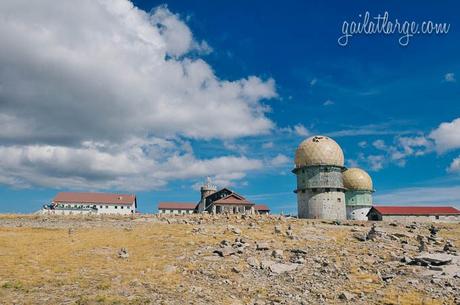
359,198
357,212
422,218
321,205
319,177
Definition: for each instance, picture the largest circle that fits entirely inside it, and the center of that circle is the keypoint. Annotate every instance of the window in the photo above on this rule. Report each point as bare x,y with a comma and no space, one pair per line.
437,216
116,207
122,207
100,206
339,199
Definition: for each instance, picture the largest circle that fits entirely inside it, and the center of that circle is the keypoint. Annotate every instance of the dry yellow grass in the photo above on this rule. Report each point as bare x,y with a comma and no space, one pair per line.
50,266
87,259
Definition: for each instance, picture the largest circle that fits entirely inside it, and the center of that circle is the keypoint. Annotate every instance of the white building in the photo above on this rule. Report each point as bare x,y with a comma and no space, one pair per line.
176,208
414,213
73,203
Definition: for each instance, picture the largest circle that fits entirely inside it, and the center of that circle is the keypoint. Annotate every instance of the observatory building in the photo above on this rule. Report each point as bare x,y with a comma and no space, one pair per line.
319,163
358,194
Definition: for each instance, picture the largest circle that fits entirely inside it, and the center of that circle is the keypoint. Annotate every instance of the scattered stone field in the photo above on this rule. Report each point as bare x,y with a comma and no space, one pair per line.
225,259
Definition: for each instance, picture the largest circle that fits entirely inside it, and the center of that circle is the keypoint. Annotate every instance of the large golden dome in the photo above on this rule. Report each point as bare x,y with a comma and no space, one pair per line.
318,150
357,179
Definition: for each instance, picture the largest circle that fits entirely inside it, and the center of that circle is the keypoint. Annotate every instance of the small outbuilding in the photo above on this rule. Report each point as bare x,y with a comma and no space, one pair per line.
413,213
176,207
261,209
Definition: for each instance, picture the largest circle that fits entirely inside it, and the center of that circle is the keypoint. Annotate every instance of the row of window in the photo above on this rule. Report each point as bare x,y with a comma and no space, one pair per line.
176,211
87,206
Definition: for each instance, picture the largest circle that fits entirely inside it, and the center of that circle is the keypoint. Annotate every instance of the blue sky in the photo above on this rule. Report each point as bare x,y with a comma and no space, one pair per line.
278,76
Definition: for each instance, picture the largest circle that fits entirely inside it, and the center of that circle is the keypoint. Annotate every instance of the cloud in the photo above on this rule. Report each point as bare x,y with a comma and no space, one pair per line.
375,162
300,130
232,146
279,160
397,152
367,130
402,148
267,145
108,96
111,70
132,166
313,82
447,136
450,77
454,167
426,195
328,103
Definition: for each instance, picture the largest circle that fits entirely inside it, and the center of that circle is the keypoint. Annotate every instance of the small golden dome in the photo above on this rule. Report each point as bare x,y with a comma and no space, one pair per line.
357,179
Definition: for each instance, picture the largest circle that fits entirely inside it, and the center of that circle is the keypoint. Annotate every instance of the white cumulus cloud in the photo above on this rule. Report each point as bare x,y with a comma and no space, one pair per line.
447,136
83,95
454,167
301,130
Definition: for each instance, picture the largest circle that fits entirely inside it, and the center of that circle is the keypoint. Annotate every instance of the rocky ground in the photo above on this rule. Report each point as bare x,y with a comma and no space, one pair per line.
204,259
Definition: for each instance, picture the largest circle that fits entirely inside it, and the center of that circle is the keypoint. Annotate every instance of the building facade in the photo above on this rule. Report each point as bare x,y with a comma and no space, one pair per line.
414,213
319,163
76,203
176,208
227,201
214,201
261,209
358,194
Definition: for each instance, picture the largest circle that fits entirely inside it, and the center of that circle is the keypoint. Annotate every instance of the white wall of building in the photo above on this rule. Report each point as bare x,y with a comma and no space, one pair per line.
73,209
356,212
172,211
422,218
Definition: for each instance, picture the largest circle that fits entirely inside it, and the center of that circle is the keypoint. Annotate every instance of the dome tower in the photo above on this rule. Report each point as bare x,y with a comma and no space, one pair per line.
358,194
318,166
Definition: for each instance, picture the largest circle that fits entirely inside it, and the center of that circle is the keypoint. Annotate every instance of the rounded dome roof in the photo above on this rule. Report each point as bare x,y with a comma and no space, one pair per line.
318,150
357,179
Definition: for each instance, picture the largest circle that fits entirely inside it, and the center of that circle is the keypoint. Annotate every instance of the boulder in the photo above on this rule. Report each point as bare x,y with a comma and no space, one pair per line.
434,259
346,296
279,268
277,229
262,246
277,253
253,262
265,264
123,253
225,251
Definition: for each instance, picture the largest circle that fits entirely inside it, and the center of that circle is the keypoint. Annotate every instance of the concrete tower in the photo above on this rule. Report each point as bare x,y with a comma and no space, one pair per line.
206,189
318,167
358,194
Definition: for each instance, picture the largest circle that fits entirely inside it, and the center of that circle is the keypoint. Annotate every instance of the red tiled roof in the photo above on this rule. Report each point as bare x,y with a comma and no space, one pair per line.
261,207
176,205
416,210
232,199
105,198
